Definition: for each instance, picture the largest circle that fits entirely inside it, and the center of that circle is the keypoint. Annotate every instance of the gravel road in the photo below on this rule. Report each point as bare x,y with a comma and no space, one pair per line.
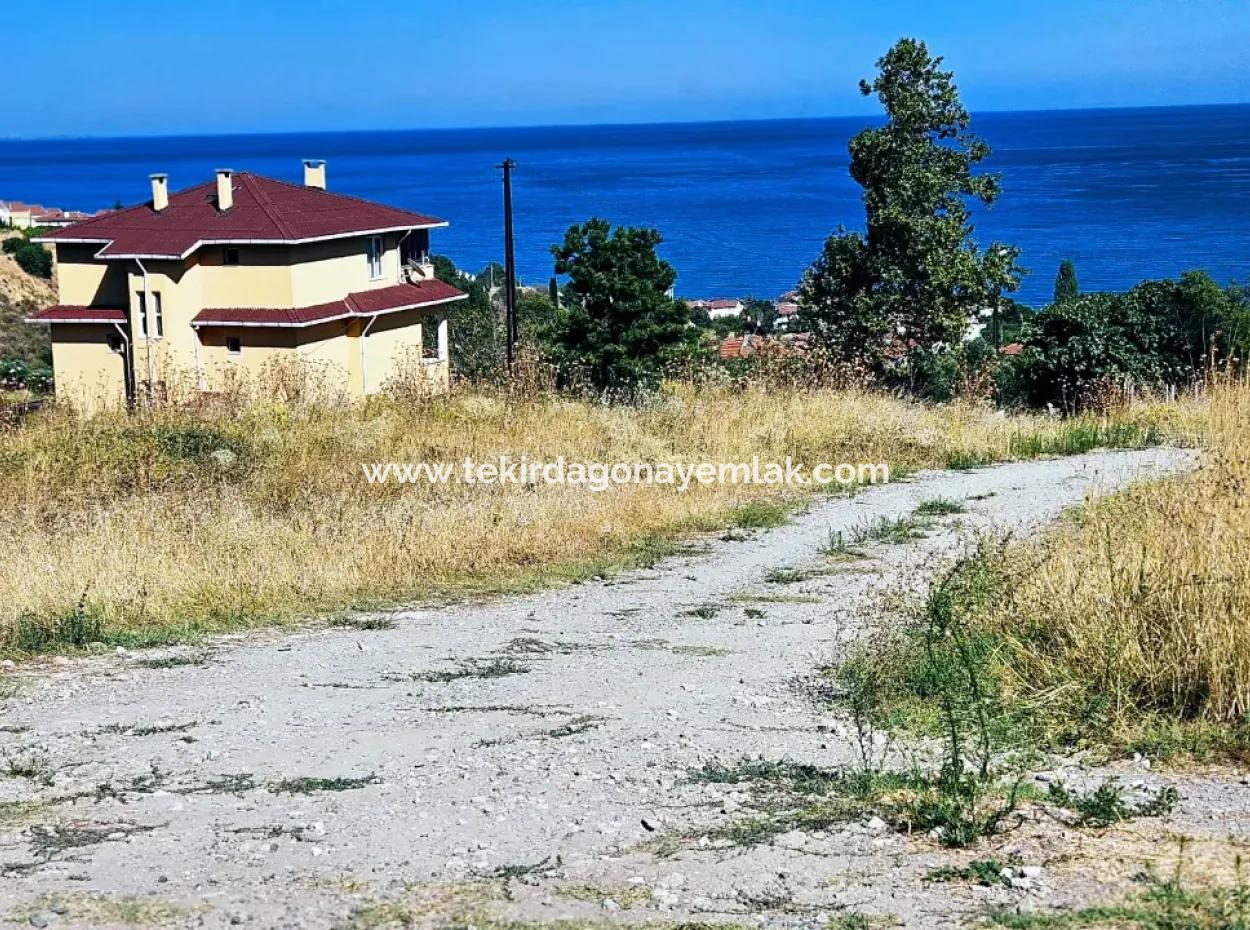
513,758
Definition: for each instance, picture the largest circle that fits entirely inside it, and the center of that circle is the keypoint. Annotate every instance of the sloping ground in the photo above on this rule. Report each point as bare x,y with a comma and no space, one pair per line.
527,758
20,295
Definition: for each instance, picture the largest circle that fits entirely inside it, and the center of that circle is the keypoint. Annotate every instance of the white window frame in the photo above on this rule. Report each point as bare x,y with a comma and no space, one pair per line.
159,317
375,253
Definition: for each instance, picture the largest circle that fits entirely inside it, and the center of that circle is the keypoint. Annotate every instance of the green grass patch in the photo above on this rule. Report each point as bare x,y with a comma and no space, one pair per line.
987,872
310,785
1163,906
939,507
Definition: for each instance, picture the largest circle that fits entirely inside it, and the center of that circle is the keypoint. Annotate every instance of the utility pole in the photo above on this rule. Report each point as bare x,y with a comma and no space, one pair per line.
509,261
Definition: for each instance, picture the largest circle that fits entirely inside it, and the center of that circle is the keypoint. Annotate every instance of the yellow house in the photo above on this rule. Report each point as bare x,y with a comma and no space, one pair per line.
223,279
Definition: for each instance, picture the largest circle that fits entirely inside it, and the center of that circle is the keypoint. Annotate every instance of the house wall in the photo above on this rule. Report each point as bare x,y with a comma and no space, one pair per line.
84,281
89,375
323,351
324,271
261,279
393,346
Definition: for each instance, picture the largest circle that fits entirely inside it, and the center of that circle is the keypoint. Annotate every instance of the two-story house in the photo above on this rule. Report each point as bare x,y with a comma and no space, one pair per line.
223,279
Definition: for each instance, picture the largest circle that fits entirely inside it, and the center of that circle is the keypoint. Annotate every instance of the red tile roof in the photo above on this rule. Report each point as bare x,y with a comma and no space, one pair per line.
64,313
264,211
1011,348
362,304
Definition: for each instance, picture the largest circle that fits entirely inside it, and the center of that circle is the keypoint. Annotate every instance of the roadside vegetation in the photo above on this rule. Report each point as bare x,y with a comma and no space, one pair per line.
157,525
1120,630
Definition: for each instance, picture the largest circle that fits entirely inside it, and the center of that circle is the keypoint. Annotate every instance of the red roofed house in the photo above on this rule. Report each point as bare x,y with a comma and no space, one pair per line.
232,276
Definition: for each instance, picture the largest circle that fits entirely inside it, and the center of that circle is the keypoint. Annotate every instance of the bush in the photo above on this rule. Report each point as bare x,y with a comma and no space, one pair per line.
34,259
9,246
1161,334
14,374
40,380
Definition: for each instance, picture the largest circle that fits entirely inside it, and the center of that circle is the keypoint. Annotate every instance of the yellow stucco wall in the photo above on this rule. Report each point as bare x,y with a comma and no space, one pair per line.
322,271
88,373
83,281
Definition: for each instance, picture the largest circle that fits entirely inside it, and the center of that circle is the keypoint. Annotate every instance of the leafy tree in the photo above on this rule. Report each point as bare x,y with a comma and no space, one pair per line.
477,344
759,316
535,315
618,325
1160,333
1066,287
915,272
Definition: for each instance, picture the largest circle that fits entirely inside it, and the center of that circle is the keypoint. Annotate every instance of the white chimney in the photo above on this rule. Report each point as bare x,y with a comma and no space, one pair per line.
225,189
315,173
160,191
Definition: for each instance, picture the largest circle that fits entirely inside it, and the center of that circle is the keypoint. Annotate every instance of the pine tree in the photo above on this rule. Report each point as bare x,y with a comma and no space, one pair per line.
619,324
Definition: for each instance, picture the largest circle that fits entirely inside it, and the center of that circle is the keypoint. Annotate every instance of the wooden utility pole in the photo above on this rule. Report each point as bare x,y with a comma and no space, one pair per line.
509,262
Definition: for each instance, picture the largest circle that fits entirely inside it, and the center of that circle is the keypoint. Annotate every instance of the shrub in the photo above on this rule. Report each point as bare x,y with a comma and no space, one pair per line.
34,259
14,373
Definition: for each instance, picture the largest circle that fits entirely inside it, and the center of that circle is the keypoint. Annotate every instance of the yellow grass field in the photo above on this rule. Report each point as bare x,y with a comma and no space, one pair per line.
133,529
1131,617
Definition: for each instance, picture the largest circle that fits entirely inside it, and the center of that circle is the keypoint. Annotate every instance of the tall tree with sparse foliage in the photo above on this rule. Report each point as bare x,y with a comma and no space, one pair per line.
618,325
1066,287
915,273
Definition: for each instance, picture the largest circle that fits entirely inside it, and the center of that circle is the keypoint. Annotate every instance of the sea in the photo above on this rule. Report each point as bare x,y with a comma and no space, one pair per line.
743,207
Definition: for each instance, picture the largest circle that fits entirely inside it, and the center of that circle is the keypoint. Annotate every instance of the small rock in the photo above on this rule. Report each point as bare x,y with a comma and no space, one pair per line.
730,806
609,905
1021,883
223,457
1031,871
876,825
39,920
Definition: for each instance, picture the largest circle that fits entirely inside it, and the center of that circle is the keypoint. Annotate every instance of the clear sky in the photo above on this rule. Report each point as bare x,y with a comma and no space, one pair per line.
95,67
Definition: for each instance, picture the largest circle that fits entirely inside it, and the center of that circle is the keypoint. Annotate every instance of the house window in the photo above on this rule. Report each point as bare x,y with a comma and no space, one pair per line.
375,257
230,257
154,323
233,345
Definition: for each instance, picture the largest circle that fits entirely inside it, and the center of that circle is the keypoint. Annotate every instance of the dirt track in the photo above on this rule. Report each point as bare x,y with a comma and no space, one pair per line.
519,758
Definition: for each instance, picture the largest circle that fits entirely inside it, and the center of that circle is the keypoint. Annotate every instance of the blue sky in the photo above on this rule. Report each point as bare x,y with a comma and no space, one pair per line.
90,67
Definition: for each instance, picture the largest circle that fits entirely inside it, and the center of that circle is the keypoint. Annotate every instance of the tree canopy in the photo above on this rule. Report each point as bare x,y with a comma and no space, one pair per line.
1066,287
1159,334
619,325
914,273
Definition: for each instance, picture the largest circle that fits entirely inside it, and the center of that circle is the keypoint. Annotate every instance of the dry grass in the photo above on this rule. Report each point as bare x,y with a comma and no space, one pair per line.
1127,623
138,529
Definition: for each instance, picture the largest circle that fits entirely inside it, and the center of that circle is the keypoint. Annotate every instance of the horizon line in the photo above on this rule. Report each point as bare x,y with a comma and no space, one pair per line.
605,125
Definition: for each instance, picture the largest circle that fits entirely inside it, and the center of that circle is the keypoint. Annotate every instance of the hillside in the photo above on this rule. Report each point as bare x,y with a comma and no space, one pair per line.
20,294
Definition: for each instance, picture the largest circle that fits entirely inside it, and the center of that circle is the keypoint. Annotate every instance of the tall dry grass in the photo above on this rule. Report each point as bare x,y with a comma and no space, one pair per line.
1130,622
151,526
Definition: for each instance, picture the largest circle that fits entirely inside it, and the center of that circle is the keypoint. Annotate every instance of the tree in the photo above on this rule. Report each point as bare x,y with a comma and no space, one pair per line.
759,316
1066,287
618,325
914,273
477,347
1159,334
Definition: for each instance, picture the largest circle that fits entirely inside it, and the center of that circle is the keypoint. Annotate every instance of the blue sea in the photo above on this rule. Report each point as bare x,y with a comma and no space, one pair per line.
743,206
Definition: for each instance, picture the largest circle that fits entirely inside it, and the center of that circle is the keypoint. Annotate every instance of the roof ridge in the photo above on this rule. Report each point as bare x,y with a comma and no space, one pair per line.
337,194
265,204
